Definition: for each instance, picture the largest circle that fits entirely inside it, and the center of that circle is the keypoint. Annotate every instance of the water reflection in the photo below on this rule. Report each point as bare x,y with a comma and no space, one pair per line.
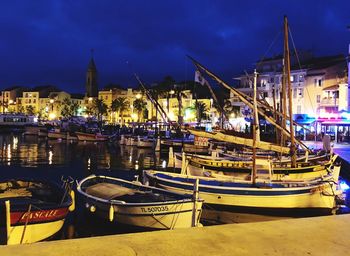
31,151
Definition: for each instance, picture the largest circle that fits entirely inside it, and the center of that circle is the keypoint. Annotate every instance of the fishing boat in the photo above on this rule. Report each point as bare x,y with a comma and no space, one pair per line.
303,170
60,135
92,137
317,195
32,210
135,204
16,121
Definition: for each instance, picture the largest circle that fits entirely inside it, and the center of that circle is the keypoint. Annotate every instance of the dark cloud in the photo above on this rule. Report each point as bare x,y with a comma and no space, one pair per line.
49,42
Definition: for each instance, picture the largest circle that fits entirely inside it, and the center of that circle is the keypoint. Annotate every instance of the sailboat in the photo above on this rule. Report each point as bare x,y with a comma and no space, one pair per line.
316,193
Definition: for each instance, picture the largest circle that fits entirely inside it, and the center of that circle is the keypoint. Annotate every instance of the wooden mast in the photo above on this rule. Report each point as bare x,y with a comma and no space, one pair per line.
245,99
290,103
256,130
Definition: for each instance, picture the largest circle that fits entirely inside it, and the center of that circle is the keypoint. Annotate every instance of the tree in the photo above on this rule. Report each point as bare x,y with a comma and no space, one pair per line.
201,109
231,109
30,110
42,114
179,94
140,106
69,108
100,108
120,105
21,109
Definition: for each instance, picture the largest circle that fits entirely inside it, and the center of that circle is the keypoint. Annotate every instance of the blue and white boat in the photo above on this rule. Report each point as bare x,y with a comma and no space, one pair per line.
318,194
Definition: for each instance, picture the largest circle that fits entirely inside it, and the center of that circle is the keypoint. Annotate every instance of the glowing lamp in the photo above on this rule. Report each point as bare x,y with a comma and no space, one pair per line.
52,116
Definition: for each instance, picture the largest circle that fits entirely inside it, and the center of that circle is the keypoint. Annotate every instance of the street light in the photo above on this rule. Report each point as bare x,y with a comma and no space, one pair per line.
138,96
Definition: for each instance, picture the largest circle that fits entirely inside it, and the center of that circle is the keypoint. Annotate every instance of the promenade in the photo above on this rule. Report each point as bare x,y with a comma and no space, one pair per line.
328,235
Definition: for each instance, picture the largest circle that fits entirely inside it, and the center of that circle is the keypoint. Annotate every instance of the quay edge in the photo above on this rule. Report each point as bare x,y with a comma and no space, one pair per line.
326,235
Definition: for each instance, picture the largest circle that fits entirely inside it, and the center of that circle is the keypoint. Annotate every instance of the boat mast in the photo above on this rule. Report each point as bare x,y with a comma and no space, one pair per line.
256,130
290,103
247,100
283,95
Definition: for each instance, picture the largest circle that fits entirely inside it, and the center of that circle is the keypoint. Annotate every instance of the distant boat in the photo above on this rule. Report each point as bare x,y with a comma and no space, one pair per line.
31,210
57,134
139,205
13,121
93,137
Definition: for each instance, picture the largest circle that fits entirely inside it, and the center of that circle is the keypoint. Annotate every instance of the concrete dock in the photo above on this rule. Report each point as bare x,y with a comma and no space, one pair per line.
327,235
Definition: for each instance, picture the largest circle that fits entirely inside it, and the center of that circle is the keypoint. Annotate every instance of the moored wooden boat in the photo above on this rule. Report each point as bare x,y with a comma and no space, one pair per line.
93,137
314,195
32,210
138,205
61,135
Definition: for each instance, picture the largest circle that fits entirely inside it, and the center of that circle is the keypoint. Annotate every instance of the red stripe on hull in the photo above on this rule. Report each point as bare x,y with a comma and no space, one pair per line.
18,218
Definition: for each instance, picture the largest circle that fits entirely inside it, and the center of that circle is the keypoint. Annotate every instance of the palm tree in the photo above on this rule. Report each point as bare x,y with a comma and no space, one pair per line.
140,106
120,105
69,108
155,93
30,110
201,109
231,109
100,108
179,94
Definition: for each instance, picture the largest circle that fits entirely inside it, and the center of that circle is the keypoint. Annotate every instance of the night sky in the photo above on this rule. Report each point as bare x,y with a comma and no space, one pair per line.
49,42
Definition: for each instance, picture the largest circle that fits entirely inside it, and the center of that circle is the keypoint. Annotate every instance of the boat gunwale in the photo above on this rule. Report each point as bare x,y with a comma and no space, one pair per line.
312,186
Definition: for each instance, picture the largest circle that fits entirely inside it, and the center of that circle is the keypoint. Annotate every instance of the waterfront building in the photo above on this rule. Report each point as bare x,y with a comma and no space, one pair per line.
9,98
319,89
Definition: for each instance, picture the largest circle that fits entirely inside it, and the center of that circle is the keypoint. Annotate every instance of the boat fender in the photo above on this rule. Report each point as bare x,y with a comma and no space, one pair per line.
111,213
72,206
92,208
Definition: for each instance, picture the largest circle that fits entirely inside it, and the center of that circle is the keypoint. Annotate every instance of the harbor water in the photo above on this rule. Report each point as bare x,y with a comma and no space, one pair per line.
34,157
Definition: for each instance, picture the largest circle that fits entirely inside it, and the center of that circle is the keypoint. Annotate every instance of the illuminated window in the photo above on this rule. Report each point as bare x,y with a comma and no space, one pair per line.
318,98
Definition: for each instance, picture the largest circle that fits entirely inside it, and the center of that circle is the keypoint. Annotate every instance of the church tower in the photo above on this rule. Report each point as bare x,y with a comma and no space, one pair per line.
91,79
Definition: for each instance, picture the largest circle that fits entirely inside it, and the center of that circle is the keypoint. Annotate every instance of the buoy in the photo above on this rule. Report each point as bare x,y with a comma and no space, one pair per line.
72,206
111,213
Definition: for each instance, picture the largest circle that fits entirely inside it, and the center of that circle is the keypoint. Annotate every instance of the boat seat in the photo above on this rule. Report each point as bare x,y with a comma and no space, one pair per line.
109,191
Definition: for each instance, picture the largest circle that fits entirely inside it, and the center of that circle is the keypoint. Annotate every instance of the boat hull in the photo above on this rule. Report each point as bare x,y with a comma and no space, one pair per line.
91,137
32,210
318,196
158,216
34,232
